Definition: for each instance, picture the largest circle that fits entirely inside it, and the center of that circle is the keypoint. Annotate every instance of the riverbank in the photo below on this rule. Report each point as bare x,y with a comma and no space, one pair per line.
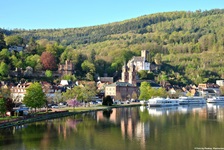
57,113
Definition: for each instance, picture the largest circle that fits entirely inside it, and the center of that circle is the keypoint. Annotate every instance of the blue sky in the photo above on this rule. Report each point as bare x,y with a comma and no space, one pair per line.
48,14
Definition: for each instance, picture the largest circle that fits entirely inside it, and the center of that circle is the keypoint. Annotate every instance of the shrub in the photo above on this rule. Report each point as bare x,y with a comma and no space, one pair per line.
107,101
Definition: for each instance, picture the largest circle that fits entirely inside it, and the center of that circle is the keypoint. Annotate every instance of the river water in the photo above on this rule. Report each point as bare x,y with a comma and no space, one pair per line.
129,128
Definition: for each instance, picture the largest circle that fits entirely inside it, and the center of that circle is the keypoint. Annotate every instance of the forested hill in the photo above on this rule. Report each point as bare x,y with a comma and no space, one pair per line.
197,22
191,43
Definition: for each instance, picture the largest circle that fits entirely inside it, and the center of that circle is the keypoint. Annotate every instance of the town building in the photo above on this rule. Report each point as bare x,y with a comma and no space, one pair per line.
220,82
121,91
18,92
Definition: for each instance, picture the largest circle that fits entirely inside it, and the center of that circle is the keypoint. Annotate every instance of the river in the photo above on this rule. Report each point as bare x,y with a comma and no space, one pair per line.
128,128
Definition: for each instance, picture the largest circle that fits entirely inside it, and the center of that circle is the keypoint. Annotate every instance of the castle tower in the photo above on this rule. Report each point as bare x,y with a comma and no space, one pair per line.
144,54
67,68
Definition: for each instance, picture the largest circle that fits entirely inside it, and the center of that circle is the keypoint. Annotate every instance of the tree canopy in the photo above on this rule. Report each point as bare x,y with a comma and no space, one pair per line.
147,92
48,61
35,97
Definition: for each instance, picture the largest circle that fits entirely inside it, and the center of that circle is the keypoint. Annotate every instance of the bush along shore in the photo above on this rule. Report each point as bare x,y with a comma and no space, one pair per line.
21,120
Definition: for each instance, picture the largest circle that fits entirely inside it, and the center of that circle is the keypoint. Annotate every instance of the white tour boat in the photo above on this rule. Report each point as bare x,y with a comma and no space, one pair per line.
160,102
218,99
192,100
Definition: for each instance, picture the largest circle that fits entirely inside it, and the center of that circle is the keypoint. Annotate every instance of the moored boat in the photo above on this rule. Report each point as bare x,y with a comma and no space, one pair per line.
161,102
217,99
192,100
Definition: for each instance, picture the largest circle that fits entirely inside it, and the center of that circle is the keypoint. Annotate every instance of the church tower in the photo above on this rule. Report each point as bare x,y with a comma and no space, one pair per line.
124,75
132,74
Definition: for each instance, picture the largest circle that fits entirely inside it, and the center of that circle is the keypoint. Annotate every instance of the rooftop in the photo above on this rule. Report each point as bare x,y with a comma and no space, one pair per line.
121,84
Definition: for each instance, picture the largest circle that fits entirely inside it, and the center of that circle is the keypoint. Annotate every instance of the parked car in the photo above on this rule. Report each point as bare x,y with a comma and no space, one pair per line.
118,102
49,105
93,102
127,102
99,102
132,100
64,104
54,106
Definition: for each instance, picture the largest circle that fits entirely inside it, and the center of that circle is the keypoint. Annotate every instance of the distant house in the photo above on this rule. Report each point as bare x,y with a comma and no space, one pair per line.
52,92
209,92
64,82
108,80
220,82
18,92
207,85
16,48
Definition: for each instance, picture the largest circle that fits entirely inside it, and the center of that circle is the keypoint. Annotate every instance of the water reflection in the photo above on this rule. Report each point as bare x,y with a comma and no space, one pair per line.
159,111
178,127
215,111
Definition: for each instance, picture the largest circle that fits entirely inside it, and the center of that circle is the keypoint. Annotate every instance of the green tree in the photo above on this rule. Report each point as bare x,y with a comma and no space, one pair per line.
163,78
92,56
158,59
4,69
144,91
14,40
161,92
35,97
4,55
69,77
107,101
88,66
2,106
48,74
75,92
81,93
89,77
51,49
2,41
32,60
143,74
32,46
14,61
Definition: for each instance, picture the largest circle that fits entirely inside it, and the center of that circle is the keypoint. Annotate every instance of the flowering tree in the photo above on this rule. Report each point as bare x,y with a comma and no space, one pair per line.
73,102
